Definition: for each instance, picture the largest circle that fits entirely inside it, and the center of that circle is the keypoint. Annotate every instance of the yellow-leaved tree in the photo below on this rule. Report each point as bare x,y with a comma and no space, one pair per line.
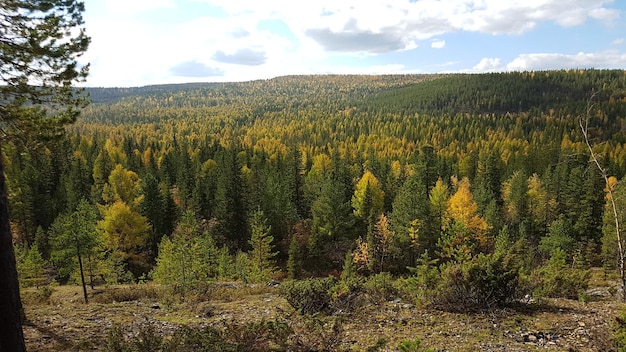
465,227
123,229
368,199
123,185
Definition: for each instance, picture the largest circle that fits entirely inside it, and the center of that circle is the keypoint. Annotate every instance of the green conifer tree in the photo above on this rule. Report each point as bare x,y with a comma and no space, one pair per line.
262,264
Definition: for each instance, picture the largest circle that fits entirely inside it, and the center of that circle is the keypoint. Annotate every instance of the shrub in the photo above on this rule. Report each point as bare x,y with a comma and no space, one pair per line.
557,279
380,343
619,332
148,339
39,296
257,336
44,293
126,294
116,341
414,345
315,333
347,294
424,280
309,296
380,287
481,282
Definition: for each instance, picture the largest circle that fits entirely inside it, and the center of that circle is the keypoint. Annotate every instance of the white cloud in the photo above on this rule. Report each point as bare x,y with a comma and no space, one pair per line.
126,53
438,44
546,61
131,50
401,22
618,41
487,65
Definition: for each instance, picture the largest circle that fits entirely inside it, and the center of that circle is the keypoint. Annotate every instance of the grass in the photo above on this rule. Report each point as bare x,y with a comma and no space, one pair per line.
127,293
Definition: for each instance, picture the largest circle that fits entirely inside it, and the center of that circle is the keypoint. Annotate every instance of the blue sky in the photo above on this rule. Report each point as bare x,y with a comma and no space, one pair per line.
142,42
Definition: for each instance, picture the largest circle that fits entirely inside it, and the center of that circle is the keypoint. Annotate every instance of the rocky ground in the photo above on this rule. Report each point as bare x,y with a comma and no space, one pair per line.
66,323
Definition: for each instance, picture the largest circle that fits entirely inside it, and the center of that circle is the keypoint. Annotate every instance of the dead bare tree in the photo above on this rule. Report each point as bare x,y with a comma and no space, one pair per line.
583,122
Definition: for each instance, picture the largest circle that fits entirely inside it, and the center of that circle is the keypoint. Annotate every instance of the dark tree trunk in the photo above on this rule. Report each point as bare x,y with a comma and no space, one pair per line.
82,273
11,335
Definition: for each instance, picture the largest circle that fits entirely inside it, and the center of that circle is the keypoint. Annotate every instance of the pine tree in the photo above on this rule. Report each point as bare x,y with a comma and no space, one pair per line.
102,167
488,184
230,201
30,266
74,239
76,181
411,210
294,261
277,205
40,42
153,208
189,258
331,214
262,264
558,237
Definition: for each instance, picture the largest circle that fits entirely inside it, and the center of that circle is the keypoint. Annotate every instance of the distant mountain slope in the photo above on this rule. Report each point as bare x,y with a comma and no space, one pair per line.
505,92
113,95
405,94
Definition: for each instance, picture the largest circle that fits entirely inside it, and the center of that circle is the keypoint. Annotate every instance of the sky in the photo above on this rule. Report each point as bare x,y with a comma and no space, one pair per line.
145,42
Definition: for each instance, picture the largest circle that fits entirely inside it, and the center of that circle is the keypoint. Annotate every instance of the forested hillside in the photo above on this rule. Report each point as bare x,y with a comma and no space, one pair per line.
298,173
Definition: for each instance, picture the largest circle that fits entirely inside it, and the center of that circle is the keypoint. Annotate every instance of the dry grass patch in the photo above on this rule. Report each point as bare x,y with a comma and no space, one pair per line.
127,293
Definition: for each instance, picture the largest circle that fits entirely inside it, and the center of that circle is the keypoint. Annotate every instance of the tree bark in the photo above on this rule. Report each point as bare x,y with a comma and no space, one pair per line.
11,334
82,274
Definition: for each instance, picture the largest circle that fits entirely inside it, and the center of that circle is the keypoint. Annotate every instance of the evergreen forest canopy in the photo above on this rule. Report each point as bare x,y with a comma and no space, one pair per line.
292,173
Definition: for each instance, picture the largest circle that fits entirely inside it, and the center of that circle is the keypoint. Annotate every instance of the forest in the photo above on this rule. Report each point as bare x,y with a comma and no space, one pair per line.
301,177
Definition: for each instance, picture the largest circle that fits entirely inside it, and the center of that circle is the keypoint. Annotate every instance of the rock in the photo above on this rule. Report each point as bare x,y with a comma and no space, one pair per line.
532,338
599,292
